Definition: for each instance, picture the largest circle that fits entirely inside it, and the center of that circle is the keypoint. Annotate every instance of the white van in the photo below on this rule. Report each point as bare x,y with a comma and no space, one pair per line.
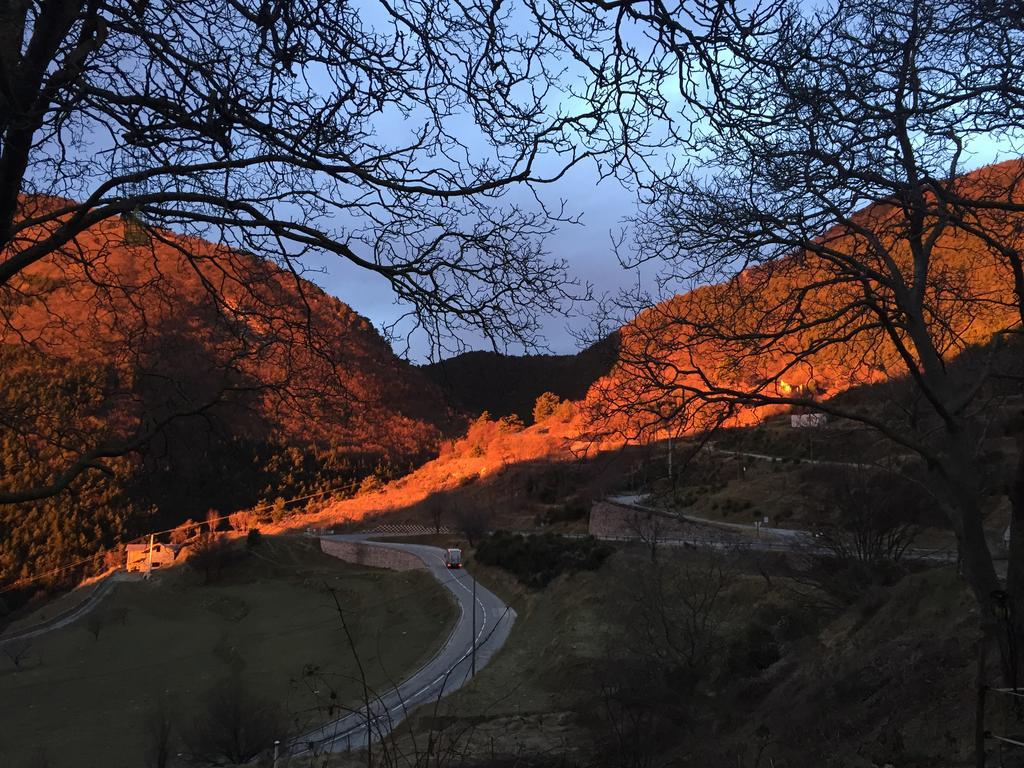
453,558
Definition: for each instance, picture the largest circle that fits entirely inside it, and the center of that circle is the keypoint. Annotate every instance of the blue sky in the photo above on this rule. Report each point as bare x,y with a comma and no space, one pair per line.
586,247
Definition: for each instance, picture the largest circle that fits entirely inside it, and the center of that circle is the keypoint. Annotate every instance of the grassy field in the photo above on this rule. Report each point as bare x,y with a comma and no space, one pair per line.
55,608
868,670
81,699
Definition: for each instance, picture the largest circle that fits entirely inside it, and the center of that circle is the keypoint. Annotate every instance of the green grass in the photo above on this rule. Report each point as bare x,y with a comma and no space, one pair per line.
539,697
546,666
82,701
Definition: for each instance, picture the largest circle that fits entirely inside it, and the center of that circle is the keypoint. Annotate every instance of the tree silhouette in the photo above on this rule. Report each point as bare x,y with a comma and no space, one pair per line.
829,233
387,136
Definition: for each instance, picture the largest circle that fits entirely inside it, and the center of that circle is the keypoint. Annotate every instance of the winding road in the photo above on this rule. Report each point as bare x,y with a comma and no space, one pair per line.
450,668
103,588
764,538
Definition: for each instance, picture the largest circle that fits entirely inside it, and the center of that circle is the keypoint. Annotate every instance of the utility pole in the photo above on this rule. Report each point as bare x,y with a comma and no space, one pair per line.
149,559
671,480
474,625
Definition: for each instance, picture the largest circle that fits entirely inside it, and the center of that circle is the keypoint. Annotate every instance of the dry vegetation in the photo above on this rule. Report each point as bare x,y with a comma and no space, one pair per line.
514,473
774,678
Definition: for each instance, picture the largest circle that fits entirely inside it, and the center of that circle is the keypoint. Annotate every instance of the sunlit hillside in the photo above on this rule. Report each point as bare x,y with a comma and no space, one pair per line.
220,380
803,324
835,347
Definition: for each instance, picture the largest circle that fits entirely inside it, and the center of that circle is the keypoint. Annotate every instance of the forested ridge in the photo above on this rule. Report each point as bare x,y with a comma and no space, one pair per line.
179,400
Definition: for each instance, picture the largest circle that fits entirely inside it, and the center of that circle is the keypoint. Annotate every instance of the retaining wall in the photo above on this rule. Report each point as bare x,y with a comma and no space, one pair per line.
373,556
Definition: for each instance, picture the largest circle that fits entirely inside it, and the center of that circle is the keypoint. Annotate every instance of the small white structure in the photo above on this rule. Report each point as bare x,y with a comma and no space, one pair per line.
142,558
800,420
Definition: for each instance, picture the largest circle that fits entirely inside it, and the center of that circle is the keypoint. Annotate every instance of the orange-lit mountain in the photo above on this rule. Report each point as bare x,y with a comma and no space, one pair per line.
970,293
803,321
255,383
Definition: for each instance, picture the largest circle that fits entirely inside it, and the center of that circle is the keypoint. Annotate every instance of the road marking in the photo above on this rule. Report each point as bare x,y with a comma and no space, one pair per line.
367,716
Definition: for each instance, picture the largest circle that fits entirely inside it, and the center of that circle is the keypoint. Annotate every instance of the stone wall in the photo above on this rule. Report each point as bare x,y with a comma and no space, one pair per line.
371,555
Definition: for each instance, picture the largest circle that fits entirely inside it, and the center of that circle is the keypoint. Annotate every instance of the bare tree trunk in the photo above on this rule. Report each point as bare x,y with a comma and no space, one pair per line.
979,714
1015,563
977,563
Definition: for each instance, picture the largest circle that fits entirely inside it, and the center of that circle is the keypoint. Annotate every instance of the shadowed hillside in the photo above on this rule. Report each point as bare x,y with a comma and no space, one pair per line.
507,384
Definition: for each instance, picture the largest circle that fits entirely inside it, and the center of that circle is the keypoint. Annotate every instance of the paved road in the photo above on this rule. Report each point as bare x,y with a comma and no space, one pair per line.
711,448
62,620
447,671
792,534
764,538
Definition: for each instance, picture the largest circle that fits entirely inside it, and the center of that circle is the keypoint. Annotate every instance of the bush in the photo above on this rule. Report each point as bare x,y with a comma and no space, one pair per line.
241,521
370,484
510,424
537,559
575,508
235,725
788,622
754,651
211,555
184,532
472,522
566,411
545,406
278,511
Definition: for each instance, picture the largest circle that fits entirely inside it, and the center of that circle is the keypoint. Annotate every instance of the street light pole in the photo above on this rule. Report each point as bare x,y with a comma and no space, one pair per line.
474,625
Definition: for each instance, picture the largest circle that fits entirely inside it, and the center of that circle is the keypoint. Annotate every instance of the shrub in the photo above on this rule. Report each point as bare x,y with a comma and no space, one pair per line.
241,521
754,651
278,512
566,411
187,530
575,508
472,522
794,624
537,559
112,559
370,484
545,406
510,424
211,555
235,725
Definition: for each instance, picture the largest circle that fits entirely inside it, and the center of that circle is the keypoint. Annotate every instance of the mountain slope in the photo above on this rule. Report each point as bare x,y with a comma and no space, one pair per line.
231,378
814,323
507,384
